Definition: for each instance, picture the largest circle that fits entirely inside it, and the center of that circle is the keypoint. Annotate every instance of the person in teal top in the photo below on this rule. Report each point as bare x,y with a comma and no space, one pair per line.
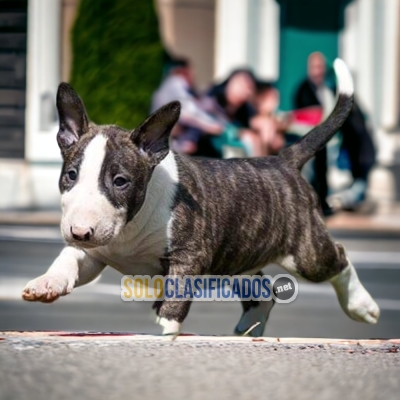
233,104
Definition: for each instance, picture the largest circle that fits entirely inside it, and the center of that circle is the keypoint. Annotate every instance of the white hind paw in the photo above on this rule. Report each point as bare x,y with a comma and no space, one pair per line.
354,299
361,307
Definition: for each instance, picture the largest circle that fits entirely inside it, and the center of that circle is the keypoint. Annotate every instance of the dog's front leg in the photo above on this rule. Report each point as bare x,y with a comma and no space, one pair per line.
72,268
170,311
171,314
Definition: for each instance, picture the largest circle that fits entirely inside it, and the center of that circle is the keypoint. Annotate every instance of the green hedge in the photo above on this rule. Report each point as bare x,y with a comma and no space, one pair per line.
117,59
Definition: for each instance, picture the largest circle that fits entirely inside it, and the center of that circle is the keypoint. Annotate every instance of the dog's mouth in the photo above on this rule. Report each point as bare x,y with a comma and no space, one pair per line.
84,245
86,234
90,243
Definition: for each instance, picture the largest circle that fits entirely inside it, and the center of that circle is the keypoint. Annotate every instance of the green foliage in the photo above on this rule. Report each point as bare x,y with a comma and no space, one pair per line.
117,59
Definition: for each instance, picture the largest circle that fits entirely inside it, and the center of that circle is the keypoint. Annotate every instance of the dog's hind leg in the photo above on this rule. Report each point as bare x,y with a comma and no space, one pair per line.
354,299
324,260
255,316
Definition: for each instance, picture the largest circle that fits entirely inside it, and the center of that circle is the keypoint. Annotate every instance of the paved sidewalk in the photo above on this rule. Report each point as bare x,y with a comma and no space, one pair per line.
385,219
64,366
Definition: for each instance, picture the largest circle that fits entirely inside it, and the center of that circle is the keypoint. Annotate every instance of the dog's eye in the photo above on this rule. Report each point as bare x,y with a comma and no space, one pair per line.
120,181
72,174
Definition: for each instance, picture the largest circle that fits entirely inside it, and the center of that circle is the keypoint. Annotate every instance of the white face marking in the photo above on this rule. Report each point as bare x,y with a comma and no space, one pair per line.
85,208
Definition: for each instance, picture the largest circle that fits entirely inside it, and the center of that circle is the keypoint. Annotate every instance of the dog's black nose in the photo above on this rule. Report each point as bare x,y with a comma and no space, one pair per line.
83,234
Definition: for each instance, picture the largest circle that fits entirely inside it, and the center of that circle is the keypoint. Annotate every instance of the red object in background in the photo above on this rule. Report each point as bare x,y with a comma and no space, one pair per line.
307,116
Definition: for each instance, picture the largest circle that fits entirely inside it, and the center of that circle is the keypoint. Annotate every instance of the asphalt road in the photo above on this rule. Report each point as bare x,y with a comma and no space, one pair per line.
27,252
133,369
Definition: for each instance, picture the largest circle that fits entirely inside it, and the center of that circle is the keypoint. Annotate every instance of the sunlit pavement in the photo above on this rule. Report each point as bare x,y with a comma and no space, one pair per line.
59,366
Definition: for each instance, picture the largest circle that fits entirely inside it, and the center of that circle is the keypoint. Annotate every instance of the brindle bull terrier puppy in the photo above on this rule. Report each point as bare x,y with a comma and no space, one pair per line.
130,202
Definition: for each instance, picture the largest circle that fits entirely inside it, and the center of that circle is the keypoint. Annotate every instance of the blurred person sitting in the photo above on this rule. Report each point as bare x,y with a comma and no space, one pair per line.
193,121
232,104
267,122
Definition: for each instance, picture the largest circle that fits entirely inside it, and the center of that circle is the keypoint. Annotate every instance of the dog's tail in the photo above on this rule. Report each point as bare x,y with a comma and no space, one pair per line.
300,152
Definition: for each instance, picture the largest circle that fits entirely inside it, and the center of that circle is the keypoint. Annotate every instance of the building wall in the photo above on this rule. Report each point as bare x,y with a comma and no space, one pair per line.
370,45
188,30
31,182
13,37
247,35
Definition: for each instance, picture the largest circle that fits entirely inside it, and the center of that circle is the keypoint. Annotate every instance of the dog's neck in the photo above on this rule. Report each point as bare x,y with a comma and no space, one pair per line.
155,213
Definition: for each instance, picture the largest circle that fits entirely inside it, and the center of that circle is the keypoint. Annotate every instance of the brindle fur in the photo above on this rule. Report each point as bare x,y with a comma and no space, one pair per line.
238,215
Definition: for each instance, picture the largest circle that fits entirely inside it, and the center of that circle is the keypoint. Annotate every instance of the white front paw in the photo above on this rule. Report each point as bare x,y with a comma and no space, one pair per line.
46,288
170,327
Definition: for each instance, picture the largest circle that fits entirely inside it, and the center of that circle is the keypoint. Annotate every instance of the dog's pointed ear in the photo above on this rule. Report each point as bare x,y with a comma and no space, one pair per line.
153,134
73,118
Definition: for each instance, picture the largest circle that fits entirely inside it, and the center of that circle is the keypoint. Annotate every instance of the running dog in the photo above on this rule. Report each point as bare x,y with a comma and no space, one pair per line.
130,202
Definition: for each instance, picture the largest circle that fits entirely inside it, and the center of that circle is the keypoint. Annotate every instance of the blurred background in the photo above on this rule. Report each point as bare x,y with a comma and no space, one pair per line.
253,76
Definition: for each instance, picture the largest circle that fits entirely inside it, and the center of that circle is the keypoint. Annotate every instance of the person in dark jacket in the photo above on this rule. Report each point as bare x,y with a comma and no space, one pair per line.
313,92
358,145
357,142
